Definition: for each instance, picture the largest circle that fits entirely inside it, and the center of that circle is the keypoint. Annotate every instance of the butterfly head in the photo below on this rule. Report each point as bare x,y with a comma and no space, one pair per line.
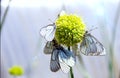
86,33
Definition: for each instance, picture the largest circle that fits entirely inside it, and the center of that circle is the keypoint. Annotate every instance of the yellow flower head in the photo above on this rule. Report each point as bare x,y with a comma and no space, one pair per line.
70,29
16,71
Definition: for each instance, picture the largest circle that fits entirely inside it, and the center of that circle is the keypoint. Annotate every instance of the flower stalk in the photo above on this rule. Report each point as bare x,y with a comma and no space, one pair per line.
71,70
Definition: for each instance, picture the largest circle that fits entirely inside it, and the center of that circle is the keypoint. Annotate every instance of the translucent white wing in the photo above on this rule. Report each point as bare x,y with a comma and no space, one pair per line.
68,57
54,63
76,49
48,32
90,46
48,47
64,67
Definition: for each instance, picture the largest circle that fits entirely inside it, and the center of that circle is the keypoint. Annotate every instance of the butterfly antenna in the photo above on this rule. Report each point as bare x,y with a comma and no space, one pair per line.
63,10
93,29
50,20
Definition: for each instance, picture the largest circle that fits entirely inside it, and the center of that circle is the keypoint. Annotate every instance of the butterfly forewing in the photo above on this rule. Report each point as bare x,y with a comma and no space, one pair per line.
48,32
48,47
99,46
90,46
54,63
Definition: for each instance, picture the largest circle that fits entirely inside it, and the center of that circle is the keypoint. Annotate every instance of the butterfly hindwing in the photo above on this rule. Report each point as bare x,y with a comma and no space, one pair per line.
90,46
66,59
64,67
48,47
70,60
54,63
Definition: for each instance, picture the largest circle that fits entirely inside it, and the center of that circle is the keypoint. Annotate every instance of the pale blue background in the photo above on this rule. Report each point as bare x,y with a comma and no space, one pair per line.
21,41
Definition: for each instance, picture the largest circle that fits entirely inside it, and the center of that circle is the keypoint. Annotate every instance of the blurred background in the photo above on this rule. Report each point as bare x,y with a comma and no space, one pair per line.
21,43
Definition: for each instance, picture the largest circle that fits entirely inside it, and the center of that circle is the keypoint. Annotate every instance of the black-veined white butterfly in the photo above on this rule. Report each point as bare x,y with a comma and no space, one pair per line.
61,58
90,46
48,32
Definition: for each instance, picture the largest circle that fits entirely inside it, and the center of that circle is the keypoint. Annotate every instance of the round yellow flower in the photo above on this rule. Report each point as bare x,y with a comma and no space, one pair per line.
70,29
16,71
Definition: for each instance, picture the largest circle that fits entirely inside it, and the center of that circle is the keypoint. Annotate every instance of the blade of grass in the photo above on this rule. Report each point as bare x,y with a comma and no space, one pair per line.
80,65
110,44
4,16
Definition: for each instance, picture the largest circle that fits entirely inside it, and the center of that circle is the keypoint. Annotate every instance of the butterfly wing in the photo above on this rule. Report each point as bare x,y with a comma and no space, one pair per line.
64,67
48,47
100,48
54,63
76,49
68,57
48,32
90,46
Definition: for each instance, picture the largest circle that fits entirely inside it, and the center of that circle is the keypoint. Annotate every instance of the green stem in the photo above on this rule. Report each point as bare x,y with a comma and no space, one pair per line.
4,16
112,44
71,71
111,64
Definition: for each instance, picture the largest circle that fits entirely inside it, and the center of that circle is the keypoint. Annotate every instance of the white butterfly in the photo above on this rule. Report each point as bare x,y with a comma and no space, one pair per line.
61,58
90,46
48,32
